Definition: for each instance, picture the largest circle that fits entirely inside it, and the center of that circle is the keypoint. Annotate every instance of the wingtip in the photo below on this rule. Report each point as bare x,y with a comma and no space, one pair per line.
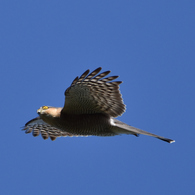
98,69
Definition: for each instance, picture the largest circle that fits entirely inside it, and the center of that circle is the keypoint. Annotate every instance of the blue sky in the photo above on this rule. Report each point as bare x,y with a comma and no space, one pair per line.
44,45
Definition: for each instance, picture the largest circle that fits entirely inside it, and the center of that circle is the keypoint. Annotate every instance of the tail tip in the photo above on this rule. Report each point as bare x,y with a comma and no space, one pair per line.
171,141
166,140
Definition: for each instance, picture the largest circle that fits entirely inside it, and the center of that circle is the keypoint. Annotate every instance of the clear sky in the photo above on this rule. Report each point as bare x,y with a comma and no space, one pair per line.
44,45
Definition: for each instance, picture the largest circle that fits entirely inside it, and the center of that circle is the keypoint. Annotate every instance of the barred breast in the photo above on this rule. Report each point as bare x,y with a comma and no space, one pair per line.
85,124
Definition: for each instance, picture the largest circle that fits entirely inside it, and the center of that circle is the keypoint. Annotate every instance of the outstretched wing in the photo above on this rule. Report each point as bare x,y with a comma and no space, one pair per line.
38,126
92,93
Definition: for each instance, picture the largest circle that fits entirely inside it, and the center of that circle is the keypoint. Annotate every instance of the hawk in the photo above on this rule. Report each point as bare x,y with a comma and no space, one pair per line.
92,103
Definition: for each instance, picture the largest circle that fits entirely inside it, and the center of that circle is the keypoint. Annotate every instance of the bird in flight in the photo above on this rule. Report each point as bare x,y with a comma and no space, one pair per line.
92,103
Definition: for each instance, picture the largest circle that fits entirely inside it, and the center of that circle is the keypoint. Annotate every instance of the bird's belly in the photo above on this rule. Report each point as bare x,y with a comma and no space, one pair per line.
86,124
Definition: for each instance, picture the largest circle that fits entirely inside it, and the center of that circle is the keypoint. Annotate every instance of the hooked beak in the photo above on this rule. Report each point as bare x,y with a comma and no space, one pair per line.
39,111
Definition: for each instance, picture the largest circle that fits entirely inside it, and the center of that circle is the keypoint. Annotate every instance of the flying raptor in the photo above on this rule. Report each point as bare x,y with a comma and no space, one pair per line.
92,103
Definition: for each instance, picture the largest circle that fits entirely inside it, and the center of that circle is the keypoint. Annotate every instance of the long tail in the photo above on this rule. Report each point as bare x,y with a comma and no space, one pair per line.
122,128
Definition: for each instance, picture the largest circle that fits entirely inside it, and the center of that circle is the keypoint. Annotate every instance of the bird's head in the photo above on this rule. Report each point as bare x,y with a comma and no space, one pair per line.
43,110
49,111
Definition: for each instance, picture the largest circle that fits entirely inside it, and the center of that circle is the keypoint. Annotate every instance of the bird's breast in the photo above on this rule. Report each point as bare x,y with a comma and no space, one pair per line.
85,124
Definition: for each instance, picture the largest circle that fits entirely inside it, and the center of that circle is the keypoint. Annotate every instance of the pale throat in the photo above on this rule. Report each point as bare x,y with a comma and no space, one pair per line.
54,112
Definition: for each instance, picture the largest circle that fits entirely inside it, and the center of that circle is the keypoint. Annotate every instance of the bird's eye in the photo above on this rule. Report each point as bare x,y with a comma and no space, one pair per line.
45,107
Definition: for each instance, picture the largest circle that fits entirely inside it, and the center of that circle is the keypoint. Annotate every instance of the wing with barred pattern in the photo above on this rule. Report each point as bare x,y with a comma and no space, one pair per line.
38,126
92,93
